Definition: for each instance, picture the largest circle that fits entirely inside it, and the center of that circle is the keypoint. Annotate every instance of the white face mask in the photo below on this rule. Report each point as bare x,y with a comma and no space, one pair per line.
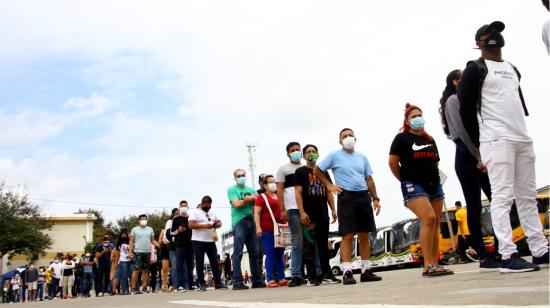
349,143
143,222
184,210
272,187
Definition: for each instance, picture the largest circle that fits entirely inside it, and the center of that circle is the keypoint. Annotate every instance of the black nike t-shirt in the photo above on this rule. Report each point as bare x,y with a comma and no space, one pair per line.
418,157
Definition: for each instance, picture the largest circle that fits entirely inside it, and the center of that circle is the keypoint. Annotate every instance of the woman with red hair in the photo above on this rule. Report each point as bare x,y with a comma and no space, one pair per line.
413,161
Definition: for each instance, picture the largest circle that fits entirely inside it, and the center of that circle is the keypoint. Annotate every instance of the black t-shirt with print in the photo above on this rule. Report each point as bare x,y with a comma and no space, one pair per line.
418,157
314,194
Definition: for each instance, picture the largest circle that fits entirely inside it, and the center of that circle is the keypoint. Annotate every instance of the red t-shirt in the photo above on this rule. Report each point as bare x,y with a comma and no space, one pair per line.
265,218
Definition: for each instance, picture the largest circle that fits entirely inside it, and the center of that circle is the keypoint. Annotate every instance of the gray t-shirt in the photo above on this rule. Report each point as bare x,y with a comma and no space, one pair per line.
142,238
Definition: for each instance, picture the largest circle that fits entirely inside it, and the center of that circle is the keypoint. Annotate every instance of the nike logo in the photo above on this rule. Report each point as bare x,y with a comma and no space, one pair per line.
420,147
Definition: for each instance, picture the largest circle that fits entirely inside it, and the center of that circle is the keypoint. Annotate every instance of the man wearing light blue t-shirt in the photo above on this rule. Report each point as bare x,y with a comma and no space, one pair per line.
355,188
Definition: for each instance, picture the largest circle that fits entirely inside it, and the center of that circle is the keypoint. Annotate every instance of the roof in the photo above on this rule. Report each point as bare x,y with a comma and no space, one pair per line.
73,217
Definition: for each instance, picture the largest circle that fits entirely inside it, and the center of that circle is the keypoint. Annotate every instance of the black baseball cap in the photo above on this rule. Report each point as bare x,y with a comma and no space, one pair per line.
498,25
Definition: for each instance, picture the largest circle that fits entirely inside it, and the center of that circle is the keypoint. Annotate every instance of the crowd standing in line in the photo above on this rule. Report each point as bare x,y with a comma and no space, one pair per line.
481,110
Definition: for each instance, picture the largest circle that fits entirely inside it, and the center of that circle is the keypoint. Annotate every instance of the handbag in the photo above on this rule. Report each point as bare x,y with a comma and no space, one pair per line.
281,233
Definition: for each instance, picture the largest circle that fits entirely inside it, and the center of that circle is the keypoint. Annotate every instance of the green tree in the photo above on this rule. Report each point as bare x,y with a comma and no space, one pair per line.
21,226
99,224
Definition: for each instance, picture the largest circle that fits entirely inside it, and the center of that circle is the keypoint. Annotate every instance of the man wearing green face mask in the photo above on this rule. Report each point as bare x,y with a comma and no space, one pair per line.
312,199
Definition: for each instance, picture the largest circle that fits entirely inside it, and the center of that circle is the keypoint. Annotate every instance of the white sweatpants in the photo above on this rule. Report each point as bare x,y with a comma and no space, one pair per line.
511,169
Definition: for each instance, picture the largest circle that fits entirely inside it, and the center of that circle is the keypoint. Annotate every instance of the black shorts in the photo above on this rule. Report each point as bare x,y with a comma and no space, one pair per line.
164,255
355,213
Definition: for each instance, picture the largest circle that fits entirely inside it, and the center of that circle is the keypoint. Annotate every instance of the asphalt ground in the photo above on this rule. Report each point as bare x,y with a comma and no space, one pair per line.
399,288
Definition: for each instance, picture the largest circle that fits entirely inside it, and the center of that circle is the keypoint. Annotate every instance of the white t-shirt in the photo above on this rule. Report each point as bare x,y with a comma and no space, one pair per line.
124,249
285,174
56,269
502,115
167,228
201,217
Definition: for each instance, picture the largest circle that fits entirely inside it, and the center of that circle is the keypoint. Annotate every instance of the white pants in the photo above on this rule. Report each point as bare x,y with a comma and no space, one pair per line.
511,169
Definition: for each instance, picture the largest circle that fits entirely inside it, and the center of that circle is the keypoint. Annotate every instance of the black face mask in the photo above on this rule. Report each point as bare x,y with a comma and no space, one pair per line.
205,208
495,40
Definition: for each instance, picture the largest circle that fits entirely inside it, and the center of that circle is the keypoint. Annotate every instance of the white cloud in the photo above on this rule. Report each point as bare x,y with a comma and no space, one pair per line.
90,107
29,127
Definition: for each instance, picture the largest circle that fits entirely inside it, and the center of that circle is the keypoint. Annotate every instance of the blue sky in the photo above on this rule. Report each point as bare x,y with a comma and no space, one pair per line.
143,105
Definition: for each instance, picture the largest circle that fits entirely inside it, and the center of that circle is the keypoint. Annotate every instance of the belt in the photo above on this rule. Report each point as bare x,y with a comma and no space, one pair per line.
360,193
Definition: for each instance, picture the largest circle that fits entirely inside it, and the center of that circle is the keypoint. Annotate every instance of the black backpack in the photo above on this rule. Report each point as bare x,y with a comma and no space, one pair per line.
482,68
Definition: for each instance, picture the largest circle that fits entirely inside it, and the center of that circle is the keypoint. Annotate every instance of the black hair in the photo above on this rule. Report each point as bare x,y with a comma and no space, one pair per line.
345,129
174,210
546,5
183,201
122,240
449,90
307,146
141,216
291,144
206,199
458,203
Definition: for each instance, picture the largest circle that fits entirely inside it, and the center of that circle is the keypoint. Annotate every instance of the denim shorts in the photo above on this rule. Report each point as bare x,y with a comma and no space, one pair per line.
413,189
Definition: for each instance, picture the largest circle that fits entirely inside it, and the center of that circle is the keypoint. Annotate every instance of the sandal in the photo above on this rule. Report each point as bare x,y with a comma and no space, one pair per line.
445,271
431,271
272,284
283,283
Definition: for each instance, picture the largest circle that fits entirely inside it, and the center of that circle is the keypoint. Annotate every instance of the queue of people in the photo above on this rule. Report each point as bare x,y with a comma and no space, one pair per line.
482,111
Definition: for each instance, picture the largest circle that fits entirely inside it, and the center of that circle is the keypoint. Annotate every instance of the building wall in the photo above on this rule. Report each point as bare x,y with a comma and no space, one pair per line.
69,235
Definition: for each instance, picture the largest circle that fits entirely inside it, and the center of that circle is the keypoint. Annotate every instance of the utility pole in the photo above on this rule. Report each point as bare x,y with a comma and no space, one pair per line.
252,160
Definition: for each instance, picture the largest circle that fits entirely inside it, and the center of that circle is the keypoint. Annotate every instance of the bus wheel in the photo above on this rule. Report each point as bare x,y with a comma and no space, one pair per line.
336,271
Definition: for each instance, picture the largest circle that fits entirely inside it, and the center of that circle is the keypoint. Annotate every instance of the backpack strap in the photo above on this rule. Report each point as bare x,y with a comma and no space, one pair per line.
520,92
482,69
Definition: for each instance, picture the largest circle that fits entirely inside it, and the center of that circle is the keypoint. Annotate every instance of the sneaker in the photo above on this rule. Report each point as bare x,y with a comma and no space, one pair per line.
202,288
137,291
541,261
258,285
100,294
220,287
313,282
181,289
348,278
240,286
144,290
272,284
488,265
295,282
330,278
515,264
368,275
303,281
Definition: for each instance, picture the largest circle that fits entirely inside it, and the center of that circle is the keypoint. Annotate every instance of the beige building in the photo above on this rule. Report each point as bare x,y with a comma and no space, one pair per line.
69,234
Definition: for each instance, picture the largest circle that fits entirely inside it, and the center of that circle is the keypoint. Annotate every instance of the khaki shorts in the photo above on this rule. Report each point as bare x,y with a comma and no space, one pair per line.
32,285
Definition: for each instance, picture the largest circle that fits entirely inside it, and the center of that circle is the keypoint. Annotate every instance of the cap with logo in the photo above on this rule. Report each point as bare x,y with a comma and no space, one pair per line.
497,25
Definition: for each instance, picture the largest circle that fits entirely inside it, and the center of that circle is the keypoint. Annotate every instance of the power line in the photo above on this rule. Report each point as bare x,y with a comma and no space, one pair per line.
109,204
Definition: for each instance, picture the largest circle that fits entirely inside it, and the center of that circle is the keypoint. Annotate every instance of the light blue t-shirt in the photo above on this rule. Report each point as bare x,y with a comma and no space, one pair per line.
349,169
142,238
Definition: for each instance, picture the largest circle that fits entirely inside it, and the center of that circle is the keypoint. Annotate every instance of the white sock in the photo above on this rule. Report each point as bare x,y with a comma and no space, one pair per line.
347,266
365,265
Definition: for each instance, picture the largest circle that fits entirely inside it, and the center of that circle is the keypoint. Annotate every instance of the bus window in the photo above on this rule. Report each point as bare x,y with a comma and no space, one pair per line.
542,204
378,247
486,222
445,228
414,232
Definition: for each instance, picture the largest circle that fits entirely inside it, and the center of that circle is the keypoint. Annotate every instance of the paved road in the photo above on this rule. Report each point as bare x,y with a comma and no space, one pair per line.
398,287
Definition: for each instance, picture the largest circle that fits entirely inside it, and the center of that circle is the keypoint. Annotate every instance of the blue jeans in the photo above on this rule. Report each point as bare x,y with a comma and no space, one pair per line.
297,242
86,283
40,287
273,257
173,272
184,266
123,273
55,287
208,248
472,181
244,233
